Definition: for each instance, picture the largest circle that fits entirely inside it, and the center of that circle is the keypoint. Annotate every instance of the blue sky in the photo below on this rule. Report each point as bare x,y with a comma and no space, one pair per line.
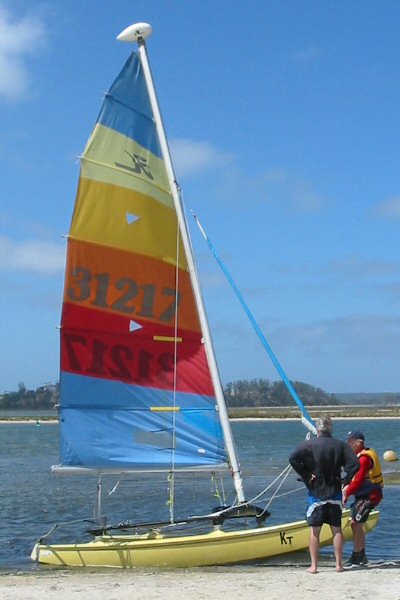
284,124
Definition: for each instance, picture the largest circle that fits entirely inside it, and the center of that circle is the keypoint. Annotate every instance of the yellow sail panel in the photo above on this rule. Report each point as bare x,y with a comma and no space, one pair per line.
97,277
138,224
117,159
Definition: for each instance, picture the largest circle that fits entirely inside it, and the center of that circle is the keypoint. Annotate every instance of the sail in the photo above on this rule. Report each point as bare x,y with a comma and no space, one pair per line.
135,386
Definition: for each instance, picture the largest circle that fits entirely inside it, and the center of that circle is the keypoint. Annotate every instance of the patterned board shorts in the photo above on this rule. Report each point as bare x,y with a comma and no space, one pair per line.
360,509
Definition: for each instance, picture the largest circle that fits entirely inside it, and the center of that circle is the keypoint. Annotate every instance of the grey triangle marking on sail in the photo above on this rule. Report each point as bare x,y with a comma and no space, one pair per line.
133,326
130,218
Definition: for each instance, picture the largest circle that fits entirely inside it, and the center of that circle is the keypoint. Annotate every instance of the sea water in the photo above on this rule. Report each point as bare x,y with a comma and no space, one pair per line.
33,499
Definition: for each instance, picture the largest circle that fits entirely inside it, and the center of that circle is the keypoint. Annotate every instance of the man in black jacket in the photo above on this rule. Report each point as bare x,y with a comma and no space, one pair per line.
319,462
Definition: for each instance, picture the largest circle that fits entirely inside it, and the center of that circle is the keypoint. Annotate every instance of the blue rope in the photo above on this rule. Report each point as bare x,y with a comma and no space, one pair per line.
309,422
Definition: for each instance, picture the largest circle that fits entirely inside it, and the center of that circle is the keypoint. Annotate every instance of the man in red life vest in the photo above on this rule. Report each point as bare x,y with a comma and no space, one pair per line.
366,487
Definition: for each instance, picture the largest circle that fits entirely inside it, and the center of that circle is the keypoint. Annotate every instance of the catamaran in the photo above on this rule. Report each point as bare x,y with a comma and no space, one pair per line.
139,384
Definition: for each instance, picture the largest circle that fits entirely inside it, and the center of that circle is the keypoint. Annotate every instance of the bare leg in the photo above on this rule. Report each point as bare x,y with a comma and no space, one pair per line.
338,542
358,536
314,549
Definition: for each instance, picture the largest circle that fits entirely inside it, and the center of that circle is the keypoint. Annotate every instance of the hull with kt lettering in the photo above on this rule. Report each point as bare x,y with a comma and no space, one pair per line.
215,548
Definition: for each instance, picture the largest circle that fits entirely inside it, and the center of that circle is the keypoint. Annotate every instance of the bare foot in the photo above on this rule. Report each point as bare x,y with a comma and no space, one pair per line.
339,569
312,570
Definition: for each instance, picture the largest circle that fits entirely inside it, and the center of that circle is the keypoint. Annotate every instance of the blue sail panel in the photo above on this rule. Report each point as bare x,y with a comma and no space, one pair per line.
121,426
130,113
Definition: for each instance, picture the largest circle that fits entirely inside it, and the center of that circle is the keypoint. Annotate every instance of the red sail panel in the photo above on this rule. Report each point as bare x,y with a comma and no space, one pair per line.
100,344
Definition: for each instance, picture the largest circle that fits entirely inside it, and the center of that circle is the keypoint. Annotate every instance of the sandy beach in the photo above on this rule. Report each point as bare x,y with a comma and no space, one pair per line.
258,582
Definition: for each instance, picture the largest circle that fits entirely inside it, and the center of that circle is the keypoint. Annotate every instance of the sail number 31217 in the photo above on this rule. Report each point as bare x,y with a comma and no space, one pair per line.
148,301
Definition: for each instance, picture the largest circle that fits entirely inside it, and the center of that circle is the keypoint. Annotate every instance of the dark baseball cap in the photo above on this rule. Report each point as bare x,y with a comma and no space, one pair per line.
356,435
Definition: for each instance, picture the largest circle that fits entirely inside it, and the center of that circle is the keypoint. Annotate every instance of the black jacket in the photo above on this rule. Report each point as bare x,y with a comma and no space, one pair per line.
324,457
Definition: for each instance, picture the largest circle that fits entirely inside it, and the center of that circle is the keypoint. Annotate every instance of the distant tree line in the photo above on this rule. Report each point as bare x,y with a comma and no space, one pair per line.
262,392
241,393
44,397
387,398
256,392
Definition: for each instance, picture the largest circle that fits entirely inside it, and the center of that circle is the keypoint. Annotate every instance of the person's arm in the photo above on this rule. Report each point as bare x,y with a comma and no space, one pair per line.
296,459
351,463
359,477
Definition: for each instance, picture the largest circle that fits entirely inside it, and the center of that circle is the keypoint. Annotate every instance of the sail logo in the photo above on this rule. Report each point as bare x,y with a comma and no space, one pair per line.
139,165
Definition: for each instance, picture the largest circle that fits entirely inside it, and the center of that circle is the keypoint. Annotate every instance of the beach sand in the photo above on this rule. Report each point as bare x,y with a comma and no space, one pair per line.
233,583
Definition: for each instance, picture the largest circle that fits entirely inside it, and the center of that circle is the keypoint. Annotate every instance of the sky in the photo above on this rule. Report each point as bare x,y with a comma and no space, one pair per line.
283,118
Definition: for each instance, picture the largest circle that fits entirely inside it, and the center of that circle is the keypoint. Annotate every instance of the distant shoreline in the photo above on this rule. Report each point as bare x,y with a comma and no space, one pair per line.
28,421
51,421
252,413
350,418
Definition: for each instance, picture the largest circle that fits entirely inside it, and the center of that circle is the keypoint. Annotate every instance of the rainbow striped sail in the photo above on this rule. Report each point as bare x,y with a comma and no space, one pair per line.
136,390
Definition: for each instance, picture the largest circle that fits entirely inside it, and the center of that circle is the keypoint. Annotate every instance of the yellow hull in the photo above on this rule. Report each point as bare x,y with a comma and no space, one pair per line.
215,548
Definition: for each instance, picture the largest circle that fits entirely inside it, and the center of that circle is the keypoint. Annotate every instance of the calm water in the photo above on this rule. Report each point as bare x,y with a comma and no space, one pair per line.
33,499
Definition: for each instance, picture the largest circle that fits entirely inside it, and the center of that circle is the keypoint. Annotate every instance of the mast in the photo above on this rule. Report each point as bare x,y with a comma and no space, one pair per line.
138,33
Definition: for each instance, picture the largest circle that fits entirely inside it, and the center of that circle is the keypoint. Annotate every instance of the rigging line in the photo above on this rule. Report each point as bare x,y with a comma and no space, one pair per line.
278,488
215,489
285,472
98,507
172,474
308,422
114,489
289,492
223,489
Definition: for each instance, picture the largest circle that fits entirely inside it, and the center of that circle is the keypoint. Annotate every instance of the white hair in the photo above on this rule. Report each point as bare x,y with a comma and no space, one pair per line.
324,424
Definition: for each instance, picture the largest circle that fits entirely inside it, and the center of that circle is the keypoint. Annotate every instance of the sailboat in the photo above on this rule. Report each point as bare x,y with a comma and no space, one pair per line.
139,383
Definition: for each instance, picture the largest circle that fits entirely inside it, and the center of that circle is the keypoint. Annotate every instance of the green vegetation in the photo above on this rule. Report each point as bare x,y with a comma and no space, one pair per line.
341,411
45,397
262,392
365,398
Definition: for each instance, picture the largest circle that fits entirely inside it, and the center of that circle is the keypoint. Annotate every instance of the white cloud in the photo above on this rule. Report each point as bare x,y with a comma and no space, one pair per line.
277,186
32,256
18,39
192,157
354,335
389,209
356,268
234,185
305,199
